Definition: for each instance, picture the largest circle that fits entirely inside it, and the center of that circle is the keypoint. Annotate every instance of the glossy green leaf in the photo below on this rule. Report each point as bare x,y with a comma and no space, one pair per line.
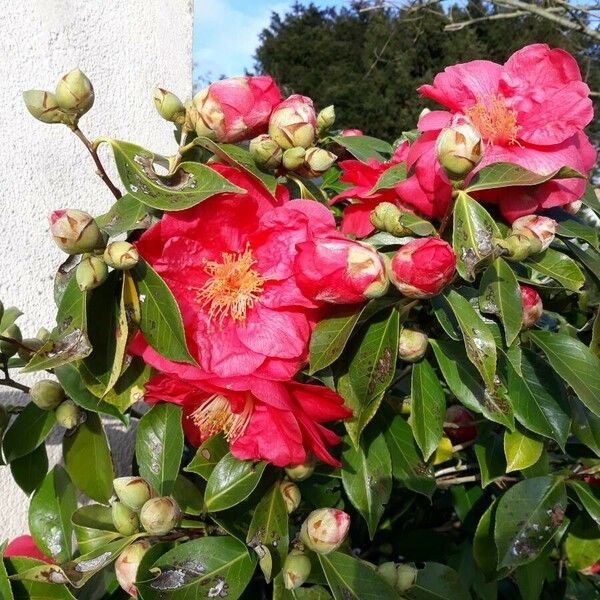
364,147
436,582
582,544
33,590
485,552
530,577
389,178
28,430
231,481
571,228
589,258
417,225
559,267
428,405
585,426
126,214
88,460
575,363
490,457
589,496
521,451
50,512
93,526
188,496
159,446
528,515
30,470
367,477
590,199
208,455
210,567
5,590
315,592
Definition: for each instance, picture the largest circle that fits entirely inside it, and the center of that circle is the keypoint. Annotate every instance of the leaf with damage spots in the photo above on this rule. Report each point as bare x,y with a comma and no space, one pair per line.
32,590
93,526
437,582
29,429
563,269
208,455
126,214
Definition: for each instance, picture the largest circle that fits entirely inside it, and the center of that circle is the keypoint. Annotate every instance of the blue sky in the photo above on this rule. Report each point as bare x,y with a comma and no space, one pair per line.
226,32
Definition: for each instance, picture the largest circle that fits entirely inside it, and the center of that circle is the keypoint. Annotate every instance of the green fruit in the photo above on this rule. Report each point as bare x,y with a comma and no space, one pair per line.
68,414
47,394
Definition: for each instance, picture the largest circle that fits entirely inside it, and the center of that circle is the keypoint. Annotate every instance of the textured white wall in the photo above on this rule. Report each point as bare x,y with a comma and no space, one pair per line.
126,47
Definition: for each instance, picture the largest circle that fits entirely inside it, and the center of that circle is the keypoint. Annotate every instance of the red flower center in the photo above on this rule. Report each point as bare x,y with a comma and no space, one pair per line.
215,415
232,288
496,123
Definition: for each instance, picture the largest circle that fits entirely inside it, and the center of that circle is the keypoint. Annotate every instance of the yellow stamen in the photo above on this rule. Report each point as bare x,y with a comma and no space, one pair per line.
496,123
215,415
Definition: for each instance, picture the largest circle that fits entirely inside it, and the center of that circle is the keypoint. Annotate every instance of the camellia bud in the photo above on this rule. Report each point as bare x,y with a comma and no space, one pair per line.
43,106
406,577
542,229
90,273
459,415
532,306
29,348
43,334
75,231
125,520
386,217
423,267
319,160
293,158
351,133
388,571
121,255
7,348
160,515
340,271
266,151
412,345
296,569
134,492
459,148
303,470
75,93
291,495
326,118
126,566
168,105
293,122
47,394
325,529
517,247
573,207
68,414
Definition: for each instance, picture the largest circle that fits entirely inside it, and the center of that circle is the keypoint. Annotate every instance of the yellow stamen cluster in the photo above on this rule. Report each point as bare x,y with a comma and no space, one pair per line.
496,123
215,416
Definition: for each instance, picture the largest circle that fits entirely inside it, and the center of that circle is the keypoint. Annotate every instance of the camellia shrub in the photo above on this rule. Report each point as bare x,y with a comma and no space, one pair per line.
356,368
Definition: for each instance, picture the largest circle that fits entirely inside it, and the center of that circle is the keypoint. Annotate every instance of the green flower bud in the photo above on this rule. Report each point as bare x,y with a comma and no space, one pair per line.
459,148
43,334
7,348
325,529
386,217
160,515
293,158
125,520
291,495
303,470
169,106
32,344
412,345
266,151
517,247
134,492
388,572
126,566
296,569
43,106
68,414
75,231
121,255
319,160
47,394
74,92
406,577
90,273
326,118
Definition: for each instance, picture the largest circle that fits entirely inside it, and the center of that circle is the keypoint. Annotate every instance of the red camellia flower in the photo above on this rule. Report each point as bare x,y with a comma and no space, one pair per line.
423,267
463,417
235,109
262,420
531,111
532,306
24,545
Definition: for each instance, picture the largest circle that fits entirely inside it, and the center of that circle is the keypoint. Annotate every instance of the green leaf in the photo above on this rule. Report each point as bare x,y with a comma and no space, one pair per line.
530,577
407,465
210,567
590,257
315,592
582,544
437,582
159,446
93,526
364,147
88,460
465,383
126,214
208,455
490,457
528,516
590,199
585,425
472,233
571,228
5,591
417,225
188,496
30,470
389,178
499,295
427,407
189,185
231,481
352,579
478,339
161,321
521,451
502,175
484,546
269,529
29,429
367,477
34,590
575,363
50,513
559,267
9,316
373,362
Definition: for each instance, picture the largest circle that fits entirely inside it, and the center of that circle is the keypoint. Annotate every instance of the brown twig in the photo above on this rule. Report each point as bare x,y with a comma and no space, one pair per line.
9,382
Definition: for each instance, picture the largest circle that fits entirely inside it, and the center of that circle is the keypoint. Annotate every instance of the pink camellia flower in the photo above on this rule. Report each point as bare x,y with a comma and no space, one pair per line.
235,109
423,267
263,420
293,123
531,111
351,132
340,271
325,529
532,306
542,229
24,545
